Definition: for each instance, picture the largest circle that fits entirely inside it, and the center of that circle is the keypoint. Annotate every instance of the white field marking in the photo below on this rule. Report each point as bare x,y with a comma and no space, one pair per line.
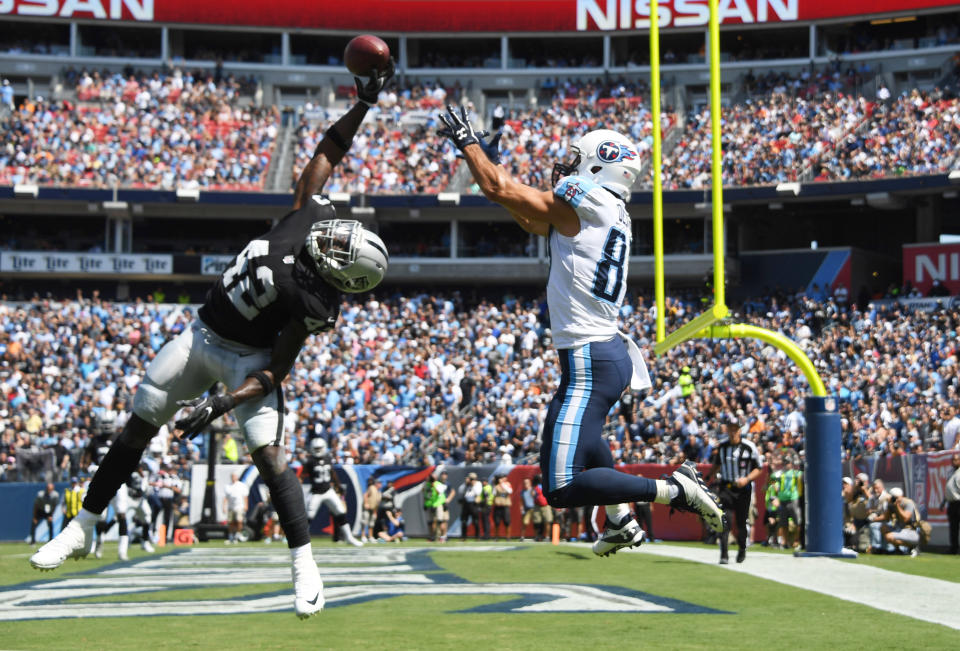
926,599
51,600
556,598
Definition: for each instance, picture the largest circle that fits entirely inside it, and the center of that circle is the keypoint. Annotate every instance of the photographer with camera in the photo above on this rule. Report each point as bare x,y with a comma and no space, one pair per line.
877,512
900,529
855,513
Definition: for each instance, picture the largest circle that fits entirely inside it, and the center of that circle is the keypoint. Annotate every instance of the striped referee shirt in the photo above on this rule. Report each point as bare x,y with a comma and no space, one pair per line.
736,461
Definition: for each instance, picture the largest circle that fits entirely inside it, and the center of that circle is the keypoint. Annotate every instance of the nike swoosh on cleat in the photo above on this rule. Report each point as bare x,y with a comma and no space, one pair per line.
313,602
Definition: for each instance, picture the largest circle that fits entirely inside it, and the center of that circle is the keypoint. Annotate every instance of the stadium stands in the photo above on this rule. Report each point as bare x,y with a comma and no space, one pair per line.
426,378
161,131
182,129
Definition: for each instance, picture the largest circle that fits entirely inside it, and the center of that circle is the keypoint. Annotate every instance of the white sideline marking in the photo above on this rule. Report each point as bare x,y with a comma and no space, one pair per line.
930,600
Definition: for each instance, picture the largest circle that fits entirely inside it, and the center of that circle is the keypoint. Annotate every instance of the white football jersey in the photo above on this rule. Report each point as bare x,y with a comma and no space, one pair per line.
588,272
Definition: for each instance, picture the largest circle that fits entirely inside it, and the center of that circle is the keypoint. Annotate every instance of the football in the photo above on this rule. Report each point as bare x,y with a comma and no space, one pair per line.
366,53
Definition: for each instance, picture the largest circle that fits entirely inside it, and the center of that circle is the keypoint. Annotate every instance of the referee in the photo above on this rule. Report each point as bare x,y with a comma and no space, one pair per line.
736,464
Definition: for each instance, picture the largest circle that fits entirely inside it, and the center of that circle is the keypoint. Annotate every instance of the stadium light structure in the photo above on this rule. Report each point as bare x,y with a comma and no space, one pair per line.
116,209
788,188
883,201
26,190
188,194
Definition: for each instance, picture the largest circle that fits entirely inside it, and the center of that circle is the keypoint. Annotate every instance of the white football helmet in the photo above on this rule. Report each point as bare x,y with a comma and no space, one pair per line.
318,446
349,257
607,158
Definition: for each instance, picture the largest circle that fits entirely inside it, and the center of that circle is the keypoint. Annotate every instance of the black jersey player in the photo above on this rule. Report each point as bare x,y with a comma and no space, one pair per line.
279,289
325,490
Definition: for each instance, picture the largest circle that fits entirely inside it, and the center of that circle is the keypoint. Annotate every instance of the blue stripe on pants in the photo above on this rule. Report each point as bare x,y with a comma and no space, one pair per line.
566,429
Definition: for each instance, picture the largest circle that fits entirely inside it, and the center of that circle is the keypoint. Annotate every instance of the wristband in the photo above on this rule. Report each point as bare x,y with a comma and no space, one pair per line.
337,139
265,383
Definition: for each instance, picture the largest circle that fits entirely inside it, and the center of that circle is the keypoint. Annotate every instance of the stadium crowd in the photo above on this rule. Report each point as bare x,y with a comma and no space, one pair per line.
424,379
161,130
176,128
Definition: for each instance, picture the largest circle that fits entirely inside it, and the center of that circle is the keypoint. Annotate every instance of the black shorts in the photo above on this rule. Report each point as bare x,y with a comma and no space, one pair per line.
789,511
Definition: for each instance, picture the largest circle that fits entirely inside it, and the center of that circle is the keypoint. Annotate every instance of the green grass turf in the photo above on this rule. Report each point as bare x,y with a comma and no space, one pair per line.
763,613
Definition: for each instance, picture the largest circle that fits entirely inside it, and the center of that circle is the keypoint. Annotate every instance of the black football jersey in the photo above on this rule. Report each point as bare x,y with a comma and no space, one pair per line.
319,472
135,485
273,281
97,448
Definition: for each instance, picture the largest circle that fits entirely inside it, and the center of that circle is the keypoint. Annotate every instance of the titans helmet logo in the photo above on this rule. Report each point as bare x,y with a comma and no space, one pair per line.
612,152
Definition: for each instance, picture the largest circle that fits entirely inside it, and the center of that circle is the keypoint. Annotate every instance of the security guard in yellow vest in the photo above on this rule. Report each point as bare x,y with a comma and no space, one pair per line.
486,508
686,382
72,500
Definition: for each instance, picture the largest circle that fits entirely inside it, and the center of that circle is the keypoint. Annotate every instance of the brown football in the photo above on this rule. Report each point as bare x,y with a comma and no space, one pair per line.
366,53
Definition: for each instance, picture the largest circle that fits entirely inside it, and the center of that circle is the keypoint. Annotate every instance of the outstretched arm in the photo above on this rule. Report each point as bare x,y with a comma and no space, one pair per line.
336,141
535,211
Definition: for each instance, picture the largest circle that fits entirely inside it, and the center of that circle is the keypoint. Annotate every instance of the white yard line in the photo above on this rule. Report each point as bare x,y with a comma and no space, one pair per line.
930,600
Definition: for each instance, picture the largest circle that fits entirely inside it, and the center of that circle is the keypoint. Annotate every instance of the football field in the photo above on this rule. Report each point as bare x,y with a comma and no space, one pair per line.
469,596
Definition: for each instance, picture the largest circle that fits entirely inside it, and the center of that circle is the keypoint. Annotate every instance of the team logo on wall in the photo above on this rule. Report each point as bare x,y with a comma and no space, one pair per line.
350,576
613,152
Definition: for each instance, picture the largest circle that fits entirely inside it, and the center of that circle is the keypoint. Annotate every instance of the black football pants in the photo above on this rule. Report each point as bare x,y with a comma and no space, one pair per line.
736,504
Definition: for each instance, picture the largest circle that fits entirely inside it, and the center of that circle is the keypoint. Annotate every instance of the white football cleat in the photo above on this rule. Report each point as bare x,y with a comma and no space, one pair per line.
614,538
694,496
146,546
98,552
307,589
73,542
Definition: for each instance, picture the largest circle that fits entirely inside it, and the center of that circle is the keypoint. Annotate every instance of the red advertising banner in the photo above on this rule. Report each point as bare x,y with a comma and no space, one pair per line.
924,263
393,16
939,470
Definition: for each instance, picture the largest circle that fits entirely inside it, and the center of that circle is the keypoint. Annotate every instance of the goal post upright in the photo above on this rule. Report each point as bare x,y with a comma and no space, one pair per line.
656,162
823,466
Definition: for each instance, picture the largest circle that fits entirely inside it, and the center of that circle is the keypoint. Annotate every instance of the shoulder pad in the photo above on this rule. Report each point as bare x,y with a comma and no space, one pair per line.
573,189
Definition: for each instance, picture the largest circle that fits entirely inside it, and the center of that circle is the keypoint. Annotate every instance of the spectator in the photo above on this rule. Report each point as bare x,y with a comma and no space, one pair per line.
72,500
394,531
484,508
44,506
502,501
235,504
470,498
951,504
900,529
371,506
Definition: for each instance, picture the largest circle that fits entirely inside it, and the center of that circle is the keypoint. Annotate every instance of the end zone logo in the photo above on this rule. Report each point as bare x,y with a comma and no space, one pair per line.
350,576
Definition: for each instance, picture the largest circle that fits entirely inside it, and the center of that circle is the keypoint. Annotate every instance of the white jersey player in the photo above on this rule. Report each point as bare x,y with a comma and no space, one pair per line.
586,222
318,470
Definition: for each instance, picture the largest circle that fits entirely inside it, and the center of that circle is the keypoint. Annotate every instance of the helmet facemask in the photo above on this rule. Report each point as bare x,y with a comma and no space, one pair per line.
561,170
348,257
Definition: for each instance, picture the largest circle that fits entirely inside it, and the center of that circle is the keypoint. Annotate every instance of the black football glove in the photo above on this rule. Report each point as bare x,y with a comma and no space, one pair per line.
368,92
205,411
458,128
490,147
